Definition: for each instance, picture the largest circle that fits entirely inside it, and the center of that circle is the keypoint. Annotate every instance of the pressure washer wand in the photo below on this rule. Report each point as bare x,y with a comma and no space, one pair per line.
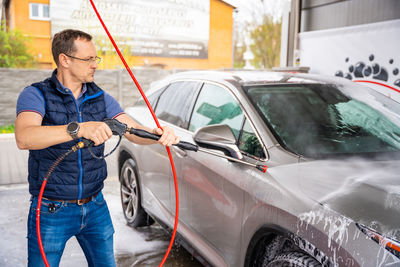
259,167
119,128
145,134
192,147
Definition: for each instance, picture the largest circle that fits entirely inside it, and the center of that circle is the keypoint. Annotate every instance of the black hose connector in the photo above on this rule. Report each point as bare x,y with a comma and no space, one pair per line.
145,134
86,143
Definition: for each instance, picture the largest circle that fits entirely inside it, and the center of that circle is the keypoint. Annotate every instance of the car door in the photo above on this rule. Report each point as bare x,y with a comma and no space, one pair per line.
172,109
213,183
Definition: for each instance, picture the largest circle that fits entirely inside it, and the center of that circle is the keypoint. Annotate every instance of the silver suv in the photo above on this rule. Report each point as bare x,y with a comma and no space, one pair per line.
330,196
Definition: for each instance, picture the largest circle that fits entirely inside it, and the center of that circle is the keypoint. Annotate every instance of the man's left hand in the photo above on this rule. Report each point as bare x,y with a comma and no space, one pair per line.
168,137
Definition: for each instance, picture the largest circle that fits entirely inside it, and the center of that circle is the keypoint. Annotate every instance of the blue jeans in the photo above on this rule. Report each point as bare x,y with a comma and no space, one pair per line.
90,223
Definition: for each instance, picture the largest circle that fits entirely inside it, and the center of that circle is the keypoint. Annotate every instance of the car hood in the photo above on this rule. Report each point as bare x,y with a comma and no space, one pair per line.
367,192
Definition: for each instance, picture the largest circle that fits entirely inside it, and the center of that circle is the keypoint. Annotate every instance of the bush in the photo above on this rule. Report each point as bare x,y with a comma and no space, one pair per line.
13,49
10,128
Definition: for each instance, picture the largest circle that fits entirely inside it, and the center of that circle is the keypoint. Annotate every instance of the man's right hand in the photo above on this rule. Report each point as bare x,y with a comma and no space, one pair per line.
30,134
97,131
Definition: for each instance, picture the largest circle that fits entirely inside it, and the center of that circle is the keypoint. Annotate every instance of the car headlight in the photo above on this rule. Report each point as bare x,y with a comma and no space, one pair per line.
390,244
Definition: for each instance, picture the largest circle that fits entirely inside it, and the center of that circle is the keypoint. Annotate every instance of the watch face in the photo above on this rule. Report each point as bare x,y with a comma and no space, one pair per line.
72,127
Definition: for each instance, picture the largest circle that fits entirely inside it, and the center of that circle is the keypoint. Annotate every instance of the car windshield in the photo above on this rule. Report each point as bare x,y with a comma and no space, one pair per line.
320,120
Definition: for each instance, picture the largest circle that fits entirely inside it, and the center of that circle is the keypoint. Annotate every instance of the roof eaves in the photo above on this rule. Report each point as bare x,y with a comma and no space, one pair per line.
229,2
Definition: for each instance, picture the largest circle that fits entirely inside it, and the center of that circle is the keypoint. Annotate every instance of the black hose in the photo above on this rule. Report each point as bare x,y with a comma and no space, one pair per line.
101,156
56,162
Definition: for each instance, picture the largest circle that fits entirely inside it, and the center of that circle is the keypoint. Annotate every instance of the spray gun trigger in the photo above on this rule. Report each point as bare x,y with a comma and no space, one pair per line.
117,127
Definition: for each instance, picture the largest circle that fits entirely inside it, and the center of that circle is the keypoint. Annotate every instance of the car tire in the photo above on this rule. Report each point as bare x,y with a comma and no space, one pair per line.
130,193
281,251
293,259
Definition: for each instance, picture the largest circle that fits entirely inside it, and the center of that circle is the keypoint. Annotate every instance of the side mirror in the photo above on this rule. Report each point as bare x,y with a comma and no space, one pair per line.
219,137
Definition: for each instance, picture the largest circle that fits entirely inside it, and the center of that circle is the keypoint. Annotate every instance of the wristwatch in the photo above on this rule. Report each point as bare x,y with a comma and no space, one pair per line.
73,129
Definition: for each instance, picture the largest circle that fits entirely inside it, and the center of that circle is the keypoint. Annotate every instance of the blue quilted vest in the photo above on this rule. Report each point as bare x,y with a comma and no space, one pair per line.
79,175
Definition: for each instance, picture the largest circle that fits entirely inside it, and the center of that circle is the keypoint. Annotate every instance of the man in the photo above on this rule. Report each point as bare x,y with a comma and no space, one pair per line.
52,116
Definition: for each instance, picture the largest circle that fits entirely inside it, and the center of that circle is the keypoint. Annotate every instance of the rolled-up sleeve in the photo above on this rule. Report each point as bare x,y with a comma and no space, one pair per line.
32,100
113,108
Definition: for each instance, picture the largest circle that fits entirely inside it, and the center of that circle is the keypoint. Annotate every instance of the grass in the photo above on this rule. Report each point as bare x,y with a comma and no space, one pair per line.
9,128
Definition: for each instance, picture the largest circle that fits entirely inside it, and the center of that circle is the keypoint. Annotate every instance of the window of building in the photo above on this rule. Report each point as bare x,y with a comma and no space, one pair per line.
39,11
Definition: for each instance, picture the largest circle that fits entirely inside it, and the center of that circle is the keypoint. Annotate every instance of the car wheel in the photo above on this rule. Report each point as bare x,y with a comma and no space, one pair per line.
293,259
281,251
131,196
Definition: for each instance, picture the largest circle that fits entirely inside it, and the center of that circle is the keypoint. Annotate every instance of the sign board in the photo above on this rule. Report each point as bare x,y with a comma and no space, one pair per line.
368,54
160,28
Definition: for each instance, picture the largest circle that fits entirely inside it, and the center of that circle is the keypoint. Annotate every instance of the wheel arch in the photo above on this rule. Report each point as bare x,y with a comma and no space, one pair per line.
266,233
123,155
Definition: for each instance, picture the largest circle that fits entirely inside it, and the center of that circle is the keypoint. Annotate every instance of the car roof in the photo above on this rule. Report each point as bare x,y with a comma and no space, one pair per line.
253,77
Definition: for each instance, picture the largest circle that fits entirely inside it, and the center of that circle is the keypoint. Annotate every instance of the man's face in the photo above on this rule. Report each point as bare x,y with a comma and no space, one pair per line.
83,71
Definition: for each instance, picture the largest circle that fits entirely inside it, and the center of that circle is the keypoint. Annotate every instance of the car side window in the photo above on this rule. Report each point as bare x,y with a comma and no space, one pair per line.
153,98
249,143
216,105
175,103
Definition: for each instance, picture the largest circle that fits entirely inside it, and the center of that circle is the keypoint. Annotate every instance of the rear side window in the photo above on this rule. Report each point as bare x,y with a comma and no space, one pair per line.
216,105
153,99
175,103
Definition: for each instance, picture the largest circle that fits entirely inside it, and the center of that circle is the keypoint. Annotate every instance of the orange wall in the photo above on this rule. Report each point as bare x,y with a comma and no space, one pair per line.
219,46
38,31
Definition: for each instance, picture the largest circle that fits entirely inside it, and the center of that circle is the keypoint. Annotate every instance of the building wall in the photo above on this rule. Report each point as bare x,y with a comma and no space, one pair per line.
38,31
219,47
348,38
329,14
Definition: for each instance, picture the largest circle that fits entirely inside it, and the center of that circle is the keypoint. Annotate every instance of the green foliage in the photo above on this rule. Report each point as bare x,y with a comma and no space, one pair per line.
266,43
13,49
10,128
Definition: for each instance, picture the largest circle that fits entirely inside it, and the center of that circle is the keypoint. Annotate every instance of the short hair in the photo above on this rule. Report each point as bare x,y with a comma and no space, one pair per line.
63,42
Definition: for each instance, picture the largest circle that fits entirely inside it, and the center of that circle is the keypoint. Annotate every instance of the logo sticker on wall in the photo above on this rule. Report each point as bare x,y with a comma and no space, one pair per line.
372,72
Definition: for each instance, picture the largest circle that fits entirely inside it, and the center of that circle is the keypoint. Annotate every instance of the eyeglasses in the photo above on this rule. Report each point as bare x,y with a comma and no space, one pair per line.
90,60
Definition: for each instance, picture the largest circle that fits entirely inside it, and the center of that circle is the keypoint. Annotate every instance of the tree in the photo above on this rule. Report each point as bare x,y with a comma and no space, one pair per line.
13,49
258,25
266,43
238,60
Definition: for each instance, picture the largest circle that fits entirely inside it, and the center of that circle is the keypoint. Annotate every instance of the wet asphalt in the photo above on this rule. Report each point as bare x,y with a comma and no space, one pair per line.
142,247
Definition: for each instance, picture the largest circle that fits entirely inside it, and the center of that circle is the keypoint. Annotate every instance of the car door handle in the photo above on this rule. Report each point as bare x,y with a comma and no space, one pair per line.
180,152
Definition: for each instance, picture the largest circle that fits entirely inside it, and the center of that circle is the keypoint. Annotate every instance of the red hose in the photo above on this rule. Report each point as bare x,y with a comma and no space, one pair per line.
158,125
39,237
39,202
58,160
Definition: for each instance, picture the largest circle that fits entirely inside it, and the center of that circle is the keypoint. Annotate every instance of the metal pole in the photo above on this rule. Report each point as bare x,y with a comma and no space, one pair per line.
120,91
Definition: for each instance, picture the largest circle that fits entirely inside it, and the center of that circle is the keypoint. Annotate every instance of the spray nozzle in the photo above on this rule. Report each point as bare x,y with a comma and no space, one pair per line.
262,168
